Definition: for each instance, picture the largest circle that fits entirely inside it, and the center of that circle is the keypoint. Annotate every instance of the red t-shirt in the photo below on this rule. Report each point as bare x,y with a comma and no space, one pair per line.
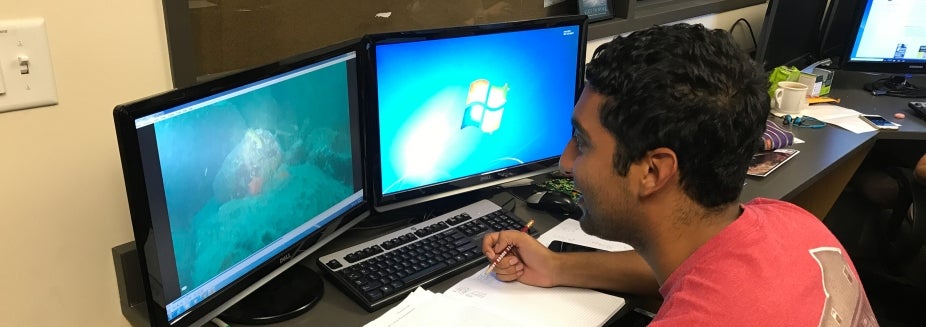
776,265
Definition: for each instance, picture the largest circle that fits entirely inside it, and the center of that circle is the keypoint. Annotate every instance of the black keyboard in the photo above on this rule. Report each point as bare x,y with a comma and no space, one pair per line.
383,270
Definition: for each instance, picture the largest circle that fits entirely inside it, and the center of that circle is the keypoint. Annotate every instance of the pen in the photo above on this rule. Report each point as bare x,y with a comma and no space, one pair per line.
508,248
219,322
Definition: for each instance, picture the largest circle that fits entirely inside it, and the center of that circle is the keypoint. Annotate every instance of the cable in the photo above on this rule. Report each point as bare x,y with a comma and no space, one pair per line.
388,223
512,201
896,86
755,45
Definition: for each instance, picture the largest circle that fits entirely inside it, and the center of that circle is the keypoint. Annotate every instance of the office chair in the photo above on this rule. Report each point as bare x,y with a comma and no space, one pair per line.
896,279
904,237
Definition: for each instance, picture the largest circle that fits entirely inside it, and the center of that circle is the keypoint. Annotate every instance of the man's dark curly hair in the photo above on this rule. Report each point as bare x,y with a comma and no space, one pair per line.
689,89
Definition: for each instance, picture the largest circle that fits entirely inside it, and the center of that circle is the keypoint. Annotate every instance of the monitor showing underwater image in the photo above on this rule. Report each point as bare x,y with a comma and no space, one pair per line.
233,181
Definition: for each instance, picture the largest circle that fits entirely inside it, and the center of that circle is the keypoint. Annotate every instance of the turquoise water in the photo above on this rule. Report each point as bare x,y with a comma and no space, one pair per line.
241,172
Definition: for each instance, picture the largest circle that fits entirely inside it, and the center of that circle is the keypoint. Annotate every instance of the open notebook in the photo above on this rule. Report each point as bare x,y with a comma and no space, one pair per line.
482,300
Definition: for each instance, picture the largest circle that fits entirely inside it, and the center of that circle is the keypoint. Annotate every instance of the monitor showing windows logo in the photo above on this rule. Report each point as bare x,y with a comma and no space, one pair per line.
485,104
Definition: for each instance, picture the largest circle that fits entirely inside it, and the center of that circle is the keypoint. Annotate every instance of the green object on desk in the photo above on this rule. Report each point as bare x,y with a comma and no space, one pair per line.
781,74
563,185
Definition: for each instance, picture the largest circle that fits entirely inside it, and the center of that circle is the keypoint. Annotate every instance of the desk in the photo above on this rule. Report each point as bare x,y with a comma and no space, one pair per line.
813,179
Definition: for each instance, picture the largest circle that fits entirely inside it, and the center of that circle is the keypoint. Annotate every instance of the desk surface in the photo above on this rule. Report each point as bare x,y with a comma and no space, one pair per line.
824,149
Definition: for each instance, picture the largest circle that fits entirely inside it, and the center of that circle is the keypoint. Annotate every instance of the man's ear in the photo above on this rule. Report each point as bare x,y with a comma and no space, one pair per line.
660,168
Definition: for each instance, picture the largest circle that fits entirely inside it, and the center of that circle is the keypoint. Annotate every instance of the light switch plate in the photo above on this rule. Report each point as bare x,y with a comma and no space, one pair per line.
25,65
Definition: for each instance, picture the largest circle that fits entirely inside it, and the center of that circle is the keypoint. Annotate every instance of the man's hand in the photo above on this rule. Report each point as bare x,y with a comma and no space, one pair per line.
529,262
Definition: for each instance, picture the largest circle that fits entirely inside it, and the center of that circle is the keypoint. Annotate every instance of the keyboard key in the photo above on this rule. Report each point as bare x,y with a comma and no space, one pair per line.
410,279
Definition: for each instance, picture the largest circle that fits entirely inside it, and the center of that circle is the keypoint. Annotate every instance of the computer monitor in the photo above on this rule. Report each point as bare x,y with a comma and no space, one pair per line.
231,182
889,36
790,34
464,108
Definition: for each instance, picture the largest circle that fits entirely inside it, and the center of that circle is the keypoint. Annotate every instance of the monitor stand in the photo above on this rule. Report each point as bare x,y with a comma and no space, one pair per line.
291,293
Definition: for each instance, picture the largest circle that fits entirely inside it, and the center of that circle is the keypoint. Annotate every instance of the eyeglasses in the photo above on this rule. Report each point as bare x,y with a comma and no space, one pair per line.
803,121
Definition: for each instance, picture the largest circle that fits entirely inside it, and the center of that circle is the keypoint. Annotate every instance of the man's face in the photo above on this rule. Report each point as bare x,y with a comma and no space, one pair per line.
610,201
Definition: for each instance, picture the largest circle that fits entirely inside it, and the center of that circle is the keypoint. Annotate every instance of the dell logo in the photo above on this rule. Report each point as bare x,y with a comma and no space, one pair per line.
286,257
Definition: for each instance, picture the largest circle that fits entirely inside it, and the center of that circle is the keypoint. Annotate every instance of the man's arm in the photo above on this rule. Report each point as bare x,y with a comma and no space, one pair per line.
624,271
533,264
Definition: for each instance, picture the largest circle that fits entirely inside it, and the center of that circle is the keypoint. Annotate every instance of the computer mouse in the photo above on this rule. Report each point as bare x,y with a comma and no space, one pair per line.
556,203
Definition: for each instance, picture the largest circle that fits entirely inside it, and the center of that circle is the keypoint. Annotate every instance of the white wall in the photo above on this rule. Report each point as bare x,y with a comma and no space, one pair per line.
62,198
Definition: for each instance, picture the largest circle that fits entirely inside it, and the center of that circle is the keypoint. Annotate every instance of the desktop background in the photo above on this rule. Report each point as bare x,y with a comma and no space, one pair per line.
241,172
891,30
452,108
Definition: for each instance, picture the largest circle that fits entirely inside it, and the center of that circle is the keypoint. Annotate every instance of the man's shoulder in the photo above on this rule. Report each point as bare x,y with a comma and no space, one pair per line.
767,203
778,212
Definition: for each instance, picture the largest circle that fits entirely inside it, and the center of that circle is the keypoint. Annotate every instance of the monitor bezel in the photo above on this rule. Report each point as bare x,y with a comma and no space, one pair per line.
137,193
775,18
383,203
905,67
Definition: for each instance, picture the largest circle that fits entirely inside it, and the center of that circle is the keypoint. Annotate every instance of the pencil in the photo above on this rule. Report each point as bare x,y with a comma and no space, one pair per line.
508,248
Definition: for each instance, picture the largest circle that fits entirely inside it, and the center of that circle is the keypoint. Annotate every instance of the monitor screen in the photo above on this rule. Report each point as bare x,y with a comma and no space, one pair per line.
790,34
889,37
233,181
464,108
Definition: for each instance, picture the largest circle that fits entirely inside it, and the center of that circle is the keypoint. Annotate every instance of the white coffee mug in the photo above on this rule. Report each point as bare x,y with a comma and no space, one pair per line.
791,97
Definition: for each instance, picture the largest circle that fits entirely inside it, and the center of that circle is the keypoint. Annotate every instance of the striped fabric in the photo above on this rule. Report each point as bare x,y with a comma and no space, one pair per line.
775,137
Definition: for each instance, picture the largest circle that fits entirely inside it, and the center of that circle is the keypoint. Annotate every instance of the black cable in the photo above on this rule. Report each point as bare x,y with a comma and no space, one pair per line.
511,200
896,86
755,44
387,223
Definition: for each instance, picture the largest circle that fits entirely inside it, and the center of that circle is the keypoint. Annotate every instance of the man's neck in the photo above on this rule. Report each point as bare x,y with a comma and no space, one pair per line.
683,228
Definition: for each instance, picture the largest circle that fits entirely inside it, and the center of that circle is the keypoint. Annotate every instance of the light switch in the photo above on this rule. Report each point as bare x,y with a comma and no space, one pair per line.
23,64
26,76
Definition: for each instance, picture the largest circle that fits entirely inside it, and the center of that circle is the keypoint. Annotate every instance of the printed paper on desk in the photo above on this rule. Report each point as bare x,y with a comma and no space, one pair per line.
424,308
537,306
482,300
839,116
570,231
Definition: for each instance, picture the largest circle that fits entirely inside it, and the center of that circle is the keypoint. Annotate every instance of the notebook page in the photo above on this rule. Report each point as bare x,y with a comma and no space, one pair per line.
537,306
424,308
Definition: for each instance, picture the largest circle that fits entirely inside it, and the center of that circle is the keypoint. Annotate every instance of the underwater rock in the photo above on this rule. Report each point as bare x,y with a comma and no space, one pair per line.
329,150
245,169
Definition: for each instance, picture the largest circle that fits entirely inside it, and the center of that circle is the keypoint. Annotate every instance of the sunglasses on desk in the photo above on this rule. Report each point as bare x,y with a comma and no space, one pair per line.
802,121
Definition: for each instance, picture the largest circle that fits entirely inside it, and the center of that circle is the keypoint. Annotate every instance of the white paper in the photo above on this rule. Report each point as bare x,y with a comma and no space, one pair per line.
570,231
537,306
482,300
424,308
840,116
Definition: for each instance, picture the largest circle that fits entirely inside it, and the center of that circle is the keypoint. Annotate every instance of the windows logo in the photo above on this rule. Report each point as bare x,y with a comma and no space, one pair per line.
485,105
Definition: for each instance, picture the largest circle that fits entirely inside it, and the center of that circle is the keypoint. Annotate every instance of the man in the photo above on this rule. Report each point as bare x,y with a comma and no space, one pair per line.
663,135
